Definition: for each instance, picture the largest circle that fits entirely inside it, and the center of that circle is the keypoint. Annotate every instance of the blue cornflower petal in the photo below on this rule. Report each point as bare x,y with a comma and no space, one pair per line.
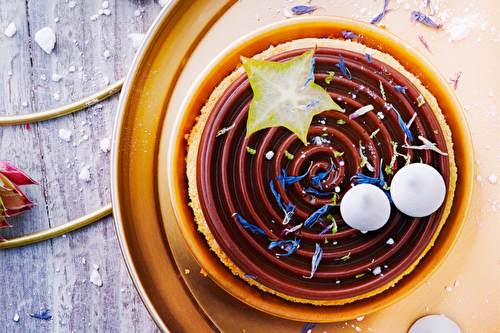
342,67
246,225
311,220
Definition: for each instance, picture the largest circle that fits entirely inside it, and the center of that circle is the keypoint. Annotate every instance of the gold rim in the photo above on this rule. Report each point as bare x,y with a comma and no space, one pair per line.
65,109
58,230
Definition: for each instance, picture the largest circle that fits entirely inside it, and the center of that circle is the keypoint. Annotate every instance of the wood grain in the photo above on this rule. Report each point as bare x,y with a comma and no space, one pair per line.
91,50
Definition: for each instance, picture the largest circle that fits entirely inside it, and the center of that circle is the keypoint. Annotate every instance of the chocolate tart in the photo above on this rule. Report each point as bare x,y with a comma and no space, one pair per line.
226,180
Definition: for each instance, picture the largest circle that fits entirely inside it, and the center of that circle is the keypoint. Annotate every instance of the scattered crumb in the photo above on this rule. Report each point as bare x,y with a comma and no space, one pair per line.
448,288
84,173
390,241
269,154
458,32
105,144
105,80
84,260
163,3
16,317
72,4
377,270
479,178
136,40
56,77
105,5
360,318
46,39
56,96
95,277
457,283
187,271
202,271
492,178
11,30
65,134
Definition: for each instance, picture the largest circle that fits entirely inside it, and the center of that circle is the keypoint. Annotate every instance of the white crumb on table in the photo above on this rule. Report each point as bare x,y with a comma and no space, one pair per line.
105,145
11,30
136,40
95,277
46,39
84,173
65,134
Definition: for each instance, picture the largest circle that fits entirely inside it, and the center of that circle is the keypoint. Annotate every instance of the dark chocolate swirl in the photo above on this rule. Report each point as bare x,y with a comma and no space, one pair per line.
233,181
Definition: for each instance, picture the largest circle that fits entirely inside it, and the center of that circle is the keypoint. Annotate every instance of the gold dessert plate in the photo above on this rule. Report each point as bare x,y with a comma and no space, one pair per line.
165,255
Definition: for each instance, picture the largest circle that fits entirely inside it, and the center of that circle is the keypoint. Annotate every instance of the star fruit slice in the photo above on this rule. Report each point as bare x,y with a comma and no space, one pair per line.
285,94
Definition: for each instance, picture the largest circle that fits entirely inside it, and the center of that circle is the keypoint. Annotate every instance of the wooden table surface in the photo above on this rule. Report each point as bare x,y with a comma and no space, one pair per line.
93,48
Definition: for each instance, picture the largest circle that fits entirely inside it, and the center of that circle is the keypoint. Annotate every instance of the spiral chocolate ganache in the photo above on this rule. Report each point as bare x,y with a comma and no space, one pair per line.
241,183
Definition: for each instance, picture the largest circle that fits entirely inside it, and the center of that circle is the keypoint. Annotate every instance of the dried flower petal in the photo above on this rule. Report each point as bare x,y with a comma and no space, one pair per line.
246,225
455,80
421,17
380,16
361,111
427,145
42,315
424,42
308,328
349,34
315,260
342,67
299,10
288,246
311,220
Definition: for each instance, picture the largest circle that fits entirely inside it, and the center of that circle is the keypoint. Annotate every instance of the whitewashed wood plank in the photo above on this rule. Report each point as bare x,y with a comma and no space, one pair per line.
56,274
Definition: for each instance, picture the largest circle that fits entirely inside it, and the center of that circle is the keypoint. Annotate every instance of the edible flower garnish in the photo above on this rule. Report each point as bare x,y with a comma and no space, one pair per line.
311,220
315,260
364,159
455,80
424,42
42,315
288,209
287,230
421,17
313,191
337,153
251,151
288,155
382,91
400,88
246,225
299,10
341,121
248,276
289,180
368,58
379,182
284,95
395,154
349,34
316,179
287,245
330,77
374,133
360,275
380,16
427,145
309,327
420,100
224,130
342,67
332,226
361,111
402,124
346,257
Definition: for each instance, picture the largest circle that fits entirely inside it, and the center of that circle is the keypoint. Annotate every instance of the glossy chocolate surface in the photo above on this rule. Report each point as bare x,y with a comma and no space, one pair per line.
230,180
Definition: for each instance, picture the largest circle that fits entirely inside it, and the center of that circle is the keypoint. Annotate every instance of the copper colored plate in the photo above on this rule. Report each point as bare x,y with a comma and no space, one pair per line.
154,223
